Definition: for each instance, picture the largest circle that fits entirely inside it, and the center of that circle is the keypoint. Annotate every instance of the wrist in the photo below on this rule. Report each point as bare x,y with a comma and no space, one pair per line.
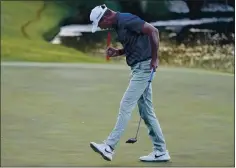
120,51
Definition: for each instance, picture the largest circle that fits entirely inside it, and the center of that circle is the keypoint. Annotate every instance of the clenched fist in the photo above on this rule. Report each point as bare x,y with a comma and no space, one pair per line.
112,52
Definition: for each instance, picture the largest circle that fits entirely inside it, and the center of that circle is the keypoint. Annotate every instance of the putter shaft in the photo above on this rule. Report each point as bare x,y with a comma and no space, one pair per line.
149,82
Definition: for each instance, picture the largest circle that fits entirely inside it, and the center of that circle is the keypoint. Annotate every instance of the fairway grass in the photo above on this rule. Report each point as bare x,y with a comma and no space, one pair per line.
16,47
49,115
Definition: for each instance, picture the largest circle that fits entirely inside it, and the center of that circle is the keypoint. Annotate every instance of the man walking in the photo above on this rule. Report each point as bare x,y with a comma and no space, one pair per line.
140,42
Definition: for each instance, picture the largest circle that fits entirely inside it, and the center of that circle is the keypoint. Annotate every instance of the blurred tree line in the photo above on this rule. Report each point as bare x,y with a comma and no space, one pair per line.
195,49
149,10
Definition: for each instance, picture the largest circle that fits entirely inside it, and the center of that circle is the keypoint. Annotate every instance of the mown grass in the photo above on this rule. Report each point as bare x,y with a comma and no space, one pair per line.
49,116
16,47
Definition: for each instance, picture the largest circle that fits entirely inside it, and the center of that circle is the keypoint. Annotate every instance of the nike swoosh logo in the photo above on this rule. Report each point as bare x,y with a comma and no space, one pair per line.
157,156
107,151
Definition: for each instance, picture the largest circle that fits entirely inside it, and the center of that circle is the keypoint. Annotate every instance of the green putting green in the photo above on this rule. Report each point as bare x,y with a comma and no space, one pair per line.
50,114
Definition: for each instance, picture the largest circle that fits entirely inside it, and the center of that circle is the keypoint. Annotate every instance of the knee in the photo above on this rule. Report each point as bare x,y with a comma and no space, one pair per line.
143,116
126,106
125,102
142,112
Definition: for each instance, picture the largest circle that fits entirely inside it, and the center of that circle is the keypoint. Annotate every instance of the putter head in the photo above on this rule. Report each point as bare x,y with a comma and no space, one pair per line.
131,140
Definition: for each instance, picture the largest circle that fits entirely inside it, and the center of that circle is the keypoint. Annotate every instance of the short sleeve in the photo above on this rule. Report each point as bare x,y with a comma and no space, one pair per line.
133,23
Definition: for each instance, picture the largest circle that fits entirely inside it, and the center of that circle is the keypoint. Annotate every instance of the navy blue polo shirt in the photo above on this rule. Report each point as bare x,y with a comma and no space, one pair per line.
136,45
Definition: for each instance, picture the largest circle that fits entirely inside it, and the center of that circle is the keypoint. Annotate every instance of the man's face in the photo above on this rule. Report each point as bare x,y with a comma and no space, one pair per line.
105,22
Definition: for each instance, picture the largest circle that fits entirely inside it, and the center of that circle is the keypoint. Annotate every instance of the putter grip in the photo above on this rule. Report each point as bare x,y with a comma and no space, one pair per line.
151,76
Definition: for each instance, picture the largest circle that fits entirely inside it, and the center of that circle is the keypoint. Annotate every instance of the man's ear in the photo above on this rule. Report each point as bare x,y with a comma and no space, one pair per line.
107,19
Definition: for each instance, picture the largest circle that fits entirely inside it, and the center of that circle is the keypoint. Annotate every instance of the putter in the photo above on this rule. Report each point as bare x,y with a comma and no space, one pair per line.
133,140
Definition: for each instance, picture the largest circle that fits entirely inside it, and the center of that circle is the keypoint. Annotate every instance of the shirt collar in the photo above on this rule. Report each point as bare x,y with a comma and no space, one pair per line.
115,26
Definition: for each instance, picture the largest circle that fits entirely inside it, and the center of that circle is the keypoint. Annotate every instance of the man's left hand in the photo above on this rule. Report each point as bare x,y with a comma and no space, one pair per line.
154,64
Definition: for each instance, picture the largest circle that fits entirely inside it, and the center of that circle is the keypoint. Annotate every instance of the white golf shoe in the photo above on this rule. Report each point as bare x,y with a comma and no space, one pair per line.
156,156
102,149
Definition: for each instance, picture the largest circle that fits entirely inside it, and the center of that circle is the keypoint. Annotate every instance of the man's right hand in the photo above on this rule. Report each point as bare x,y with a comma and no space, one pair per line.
112,52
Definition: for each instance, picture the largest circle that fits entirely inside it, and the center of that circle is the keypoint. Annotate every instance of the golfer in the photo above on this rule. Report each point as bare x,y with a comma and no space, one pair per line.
140,42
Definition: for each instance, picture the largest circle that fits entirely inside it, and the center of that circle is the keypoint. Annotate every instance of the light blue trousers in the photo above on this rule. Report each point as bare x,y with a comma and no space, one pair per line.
138,93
